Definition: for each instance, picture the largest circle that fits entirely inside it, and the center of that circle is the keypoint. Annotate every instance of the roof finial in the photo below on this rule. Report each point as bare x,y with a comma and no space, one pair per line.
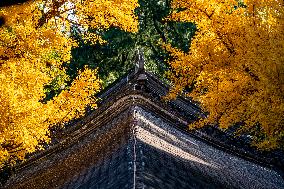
140,61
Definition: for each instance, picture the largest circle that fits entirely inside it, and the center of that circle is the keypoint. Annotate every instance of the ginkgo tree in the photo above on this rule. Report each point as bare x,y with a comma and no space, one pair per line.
115,57
235,66
34,43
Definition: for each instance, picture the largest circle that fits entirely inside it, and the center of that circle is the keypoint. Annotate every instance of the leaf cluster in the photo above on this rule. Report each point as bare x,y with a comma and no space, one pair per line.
234,66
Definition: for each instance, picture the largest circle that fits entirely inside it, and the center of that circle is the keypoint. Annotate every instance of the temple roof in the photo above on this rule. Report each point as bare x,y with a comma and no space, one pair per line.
137,140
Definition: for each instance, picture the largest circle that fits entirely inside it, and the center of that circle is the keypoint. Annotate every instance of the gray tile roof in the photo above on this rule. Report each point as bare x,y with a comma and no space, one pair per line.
135,140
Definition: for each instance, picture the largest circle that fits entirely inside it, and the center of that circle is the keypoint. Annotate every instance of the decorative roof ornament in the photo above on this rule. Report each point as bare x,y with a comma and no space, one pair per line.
139,61
141,77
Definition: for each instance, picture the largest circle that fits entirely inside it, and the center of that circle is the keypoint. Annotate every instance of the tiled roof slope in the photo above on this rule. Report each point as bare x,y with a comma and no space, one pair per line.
135,140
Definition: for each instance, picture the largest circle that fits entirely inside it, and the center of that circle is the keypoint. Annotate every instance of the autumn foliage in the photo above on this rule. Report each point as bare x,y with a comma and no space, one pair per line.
34,43
235,66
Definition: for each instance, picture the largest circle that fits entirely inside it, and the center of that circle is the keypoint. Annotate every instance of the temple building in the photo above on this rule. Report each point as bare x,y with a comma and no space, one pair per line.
136,140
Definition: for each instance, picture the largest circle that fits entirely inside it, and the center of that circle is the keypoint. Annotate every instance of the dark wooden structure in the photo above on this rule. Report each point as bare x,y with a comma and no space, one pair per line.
136,140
